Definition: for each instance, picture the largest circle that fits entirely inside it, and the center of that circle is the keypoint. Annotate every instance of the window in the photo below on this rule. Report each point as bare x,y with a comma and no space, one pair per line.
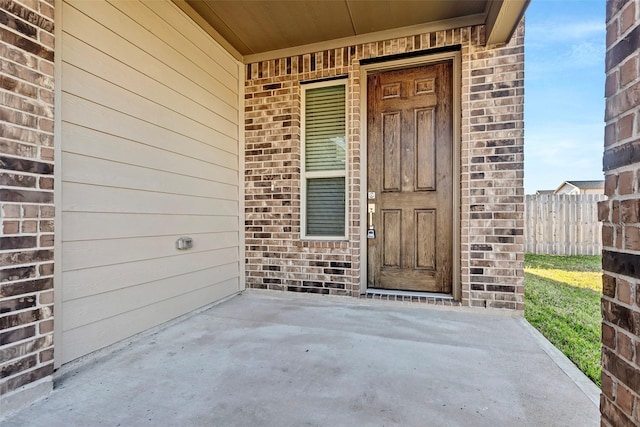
324,160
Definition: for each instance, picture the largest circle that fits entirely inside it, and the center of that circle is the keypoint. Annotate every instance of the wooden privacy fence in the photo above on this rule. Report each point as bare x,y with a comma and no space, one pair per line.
563,224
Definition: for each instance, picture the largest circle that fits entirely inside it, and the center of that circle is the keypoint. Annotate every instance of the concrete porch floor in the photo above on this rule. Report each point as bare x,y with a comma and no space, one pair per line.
283,360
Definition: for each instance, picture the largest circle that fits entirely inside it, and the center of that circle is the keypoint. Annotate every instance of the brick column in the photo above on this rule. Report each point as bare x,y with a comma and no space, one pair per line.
620,400
493,174
26,200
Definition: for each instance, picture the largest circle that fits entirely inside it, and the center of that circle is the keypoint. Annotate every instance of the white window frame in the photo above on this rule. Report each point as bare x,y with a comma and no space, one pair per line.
304,175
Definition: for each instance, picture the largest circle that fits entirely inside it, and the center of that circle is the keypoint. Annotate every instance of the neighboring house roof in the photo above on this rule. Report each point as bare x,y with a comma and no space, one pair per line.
582,185
542,192
587,184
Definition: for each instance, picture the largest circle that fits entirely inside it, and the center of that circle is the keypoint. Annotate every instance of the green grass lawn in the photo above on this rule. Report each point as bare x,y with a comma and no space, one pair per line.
562,300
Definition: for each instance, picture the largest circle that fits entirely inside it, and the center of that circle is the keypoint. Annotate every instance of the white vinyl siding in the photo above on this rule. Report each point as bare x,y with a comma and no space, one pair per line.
149,152
324,160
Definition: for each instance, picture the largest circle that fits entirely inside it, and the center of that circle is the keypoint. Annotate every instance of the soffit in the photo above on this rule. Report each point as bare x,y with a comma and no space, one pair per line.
256,30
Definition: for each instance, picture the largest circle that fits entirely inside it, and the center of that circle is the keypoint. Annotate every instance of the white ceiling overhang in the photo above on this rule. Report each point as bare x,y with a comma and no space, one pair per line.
257,30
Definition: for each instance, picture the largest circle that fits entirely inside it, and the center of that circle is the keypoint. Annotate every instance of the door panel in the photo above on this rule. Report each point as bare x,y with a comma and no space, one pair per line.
425,248
391,147
410,152
392,223
426,147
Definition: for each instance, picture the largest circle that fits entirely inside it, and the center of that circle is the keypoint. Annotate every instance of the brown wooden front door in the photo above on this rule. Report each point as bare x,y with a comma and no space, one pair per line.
410,148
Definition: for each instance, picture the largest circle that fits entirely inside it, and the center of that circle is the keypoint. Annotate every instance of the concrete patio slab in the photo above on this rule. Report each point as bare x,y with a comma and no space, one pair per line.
266,360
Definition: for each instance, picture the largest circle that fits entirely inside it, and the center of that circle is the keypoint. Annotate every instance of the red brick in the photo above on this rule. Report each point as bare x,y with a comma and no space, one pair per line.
11,211
625,128
46,298
46,96
603,211
46,269
624,346
629,71
46,355
29,377
46,326
613,416
628,17
30,211
615,211
612,32
46,240
626,182
609,285
31,4
47,211
623,289
619,237
29,226
609,336
610,184
46,67
632,238
629,211
45,125
46,183
621,102
11,227
607,385
624,400
611,86
23,318
46,226
18,365
20,303
46,153
46,10
16,335
47,39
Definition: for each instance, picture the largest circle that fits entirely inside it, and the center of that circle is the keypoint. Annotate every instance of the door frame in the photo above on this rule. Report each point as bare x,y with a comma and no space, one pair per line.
456,58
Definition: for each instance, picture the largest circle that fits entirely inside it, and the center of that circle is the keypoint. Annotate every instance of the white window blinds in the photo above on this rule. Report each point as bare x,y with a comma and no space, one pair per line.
325,206
324,170
325,129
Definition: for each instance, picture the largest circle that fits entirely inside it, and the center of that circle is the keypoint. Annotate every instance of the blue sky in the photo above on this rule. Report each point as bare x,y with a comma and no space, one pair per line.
564,92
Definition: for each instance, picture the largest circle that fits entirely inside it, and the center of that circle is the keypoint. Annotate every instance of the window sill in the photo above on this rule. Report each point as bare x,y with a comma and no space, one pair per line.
324,239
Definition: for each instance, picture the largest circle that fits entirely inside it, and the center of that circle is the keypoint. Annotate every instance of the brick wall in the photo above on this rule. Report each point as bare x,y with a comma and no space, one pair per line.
26,194
493,175
620,399
492,195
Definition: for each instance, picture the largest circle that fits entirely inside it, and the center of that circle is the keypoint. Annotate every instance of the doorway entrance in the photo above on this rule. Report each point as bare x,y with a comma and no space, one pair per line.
410,177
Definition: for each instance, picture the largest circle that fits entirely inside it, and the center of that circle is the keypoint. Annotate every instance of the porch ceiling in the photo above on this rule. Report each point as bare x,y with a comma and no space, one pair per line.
257,30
